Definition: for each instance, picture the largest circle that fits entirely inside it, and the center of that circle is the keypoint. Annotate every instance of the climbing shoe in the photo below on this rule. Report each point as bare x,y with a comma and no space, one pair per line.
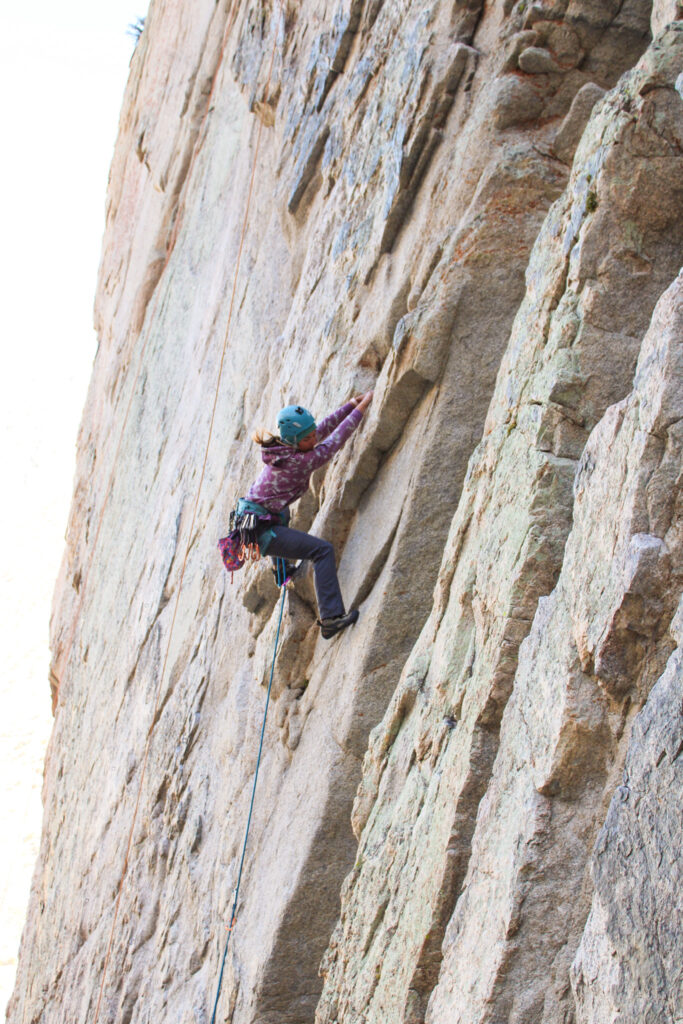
330,627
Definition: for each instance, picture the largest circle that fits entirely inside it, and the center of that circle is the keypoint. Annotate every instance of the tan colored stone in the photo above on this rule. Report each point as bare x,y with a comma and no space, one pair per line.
429,763
536,60
393,229
631,943
663,13
565,731
571,129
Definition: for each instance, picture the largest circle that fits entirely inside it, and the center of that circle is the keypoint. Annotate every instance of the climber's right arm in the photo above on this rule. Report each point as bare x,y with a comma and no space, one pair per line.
327,425
323,452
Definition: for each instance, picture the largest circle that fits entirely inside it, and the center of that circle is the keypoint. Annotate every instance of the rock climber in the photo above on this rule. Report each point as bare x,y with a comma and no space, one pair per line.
290,457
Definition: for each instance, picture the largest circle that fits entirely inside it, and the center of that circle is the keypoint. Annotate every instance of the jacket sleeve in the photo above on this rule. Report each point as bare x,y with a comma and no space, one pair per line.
326,426
322,453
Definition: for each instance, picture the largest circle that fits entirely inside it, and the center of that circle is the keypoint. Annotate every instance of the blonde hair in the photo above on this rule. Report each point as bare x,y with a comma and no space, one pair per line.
265,438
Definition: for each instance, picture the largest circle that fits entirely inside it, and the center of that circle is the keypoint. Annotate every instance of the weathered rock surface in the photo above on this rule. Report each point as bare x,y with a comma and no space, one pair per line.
628,964
475,209
429,764
597,644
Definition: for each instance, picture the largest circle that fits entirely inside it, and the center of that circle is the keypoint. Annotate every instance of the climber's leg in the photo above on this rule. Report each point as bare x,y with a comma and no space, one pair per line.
285,572
291,544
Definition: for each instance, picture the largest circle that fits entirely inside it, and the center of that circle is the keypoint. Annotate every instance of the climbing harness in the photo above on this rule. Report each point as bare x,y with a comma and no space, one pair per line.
282,583
190,535
241,544
246,524
250,534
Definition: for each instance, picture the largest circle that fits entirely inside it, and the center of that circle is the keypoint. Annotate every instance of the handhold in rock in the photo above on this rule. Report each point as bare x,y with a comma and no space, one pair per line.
265,113
537,61
515,101
519,42
571,129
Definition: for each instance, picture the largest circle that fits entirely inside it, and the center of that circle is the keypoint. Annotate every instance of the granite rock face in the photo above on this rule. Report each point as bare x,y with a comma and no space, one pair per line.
468,805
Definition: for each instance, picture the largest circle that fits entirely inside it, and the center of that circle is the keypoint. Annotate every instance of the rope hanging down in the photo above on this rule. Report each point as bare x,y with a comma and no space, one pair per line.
281,569
189,538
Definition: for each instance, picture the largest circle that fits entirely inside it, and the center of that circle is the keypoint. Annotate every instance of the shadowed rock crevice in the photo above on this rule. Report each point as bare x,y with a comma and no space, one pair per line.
415,143
472,656
543,826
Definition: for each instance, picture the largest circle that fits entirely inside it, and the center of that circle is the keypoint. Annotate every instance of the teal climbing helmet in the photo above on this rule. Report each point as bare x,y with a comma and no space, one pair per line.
295,422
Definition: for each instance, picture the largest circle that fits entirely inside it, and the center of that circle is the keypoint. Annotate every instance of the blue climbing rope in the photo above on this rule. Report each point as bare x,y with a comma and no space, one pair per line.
282,583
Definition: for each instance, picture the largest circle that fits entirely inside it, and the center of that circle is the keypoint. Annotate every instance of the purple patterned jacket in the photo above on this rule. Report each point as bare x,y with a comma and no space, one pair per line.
287,470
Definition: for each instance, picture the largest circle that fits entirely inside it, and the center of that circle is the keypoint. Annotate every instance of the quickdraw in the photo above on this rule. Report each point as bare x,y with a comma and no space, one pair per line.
245,525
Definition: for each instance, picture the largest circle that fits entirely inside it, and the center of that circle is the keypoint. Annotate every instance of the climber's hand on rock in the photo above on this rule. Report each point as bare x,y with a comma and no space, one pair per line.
365,400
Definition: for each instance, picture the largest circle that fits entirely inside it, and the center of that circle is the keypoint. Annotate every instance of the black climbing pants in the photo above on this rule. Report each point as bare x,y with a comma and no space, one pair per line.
293,544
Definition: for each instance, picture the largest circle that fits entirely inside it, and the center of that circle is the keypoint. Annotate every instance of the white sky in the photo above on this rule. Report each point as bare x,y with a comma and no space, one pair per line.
63,69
